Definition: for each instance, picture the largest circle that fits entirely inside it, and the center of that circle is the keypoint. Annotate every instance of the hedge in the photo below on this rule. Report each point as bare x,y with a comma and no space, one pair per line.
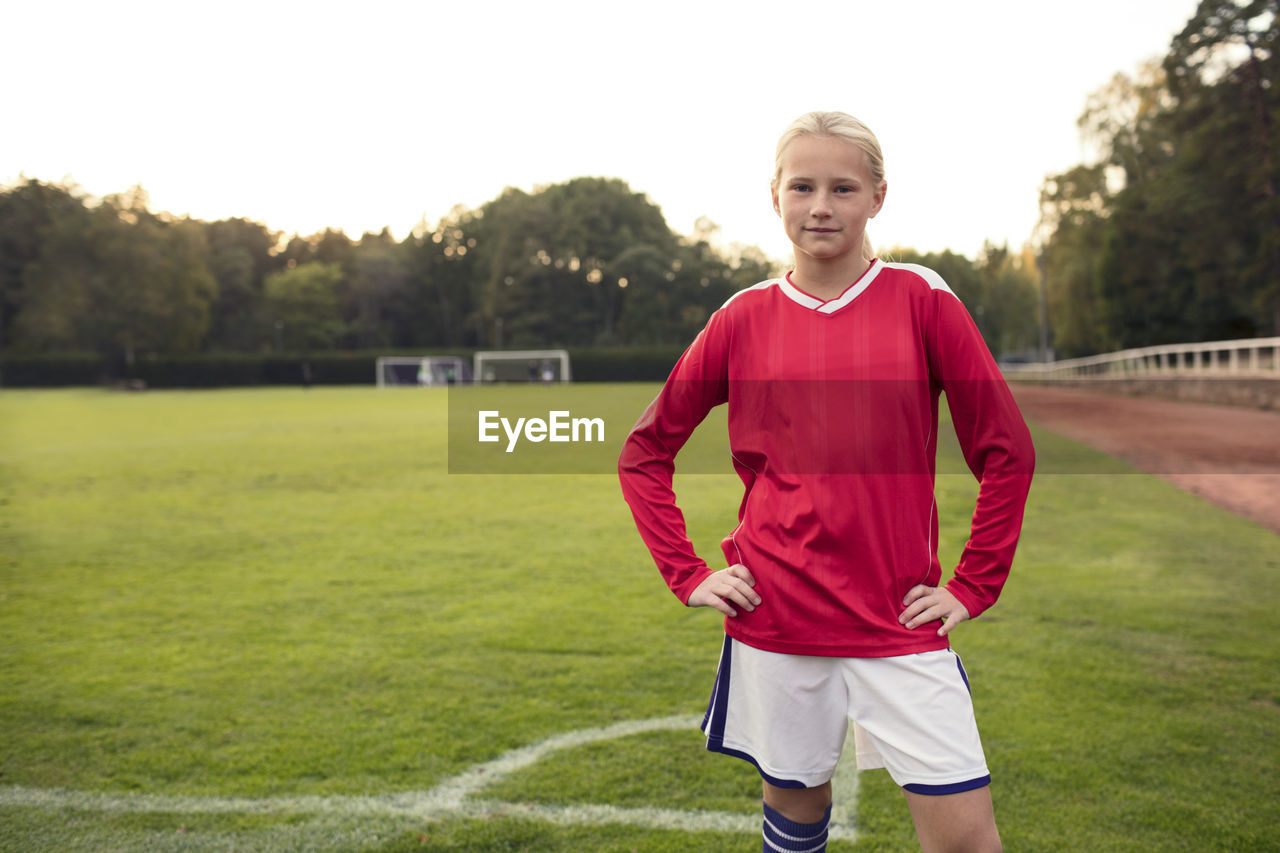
219,370
50,371
622,364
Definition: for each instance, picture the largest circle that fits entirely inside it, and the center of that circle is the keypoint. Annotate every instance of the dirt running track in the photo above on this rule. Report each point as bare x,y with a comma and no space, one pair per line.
1227,455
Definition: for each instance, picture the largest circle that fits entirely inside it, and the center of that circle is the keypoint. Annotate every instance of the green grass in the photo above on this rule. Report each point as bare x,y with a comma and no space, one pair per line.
283,593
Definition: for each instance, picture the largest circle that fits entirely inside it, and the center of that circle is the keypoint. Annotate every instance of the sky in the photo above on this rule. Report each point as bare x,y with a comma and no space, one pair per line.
373,114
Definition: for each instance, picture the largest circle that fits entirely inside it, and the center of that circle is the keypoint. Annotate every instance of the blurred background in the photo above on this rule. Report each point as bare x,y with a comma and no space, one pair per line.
250,187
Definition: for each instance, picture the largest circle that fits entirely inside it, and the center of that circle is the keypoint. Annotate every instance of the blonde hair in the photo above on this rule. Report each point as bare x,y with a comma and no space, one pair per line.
840,126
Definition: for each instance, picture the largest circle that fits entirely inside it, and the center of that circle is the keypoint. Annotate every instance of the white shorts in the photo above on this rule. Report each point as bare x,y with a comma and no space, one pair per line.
788,715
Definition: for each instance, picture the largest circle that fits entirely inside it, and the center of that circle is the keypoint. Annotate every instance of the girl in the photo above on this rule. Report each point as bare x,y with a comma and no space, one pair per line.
832,598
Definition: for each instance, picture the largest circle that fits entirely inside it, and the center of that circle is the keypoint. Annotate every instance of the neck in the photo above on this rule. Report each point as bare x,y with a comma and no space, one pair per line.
827,278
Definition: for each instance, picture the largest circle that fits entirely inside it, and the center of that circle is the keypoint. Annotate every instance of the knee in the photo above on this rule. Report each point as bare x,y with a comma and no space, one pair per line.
802,805
955,823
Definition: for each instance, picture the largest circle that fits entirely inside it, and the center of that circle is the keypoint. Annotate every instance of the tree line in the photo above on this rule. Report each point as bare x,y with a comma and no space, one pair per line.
1170,232
583,262
587,262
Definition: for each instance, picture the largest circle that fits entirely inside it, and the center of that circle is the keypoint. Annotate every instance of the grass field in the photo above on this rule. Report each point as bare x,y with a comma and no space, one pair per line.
271,620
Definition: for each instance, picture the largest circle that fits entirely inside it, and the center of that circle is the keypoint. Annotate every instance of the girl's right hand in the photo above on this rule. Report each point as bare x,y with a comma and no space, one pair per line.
725,588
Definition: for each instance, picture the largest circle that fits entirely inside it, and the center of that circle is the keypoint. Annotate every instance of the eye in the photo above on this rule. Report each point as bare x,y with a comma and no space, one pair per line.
800,188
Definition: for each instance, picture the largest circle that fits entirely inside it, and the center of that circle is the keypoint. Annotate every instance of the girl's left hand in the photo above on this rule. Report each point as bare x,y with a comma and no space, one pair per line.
930,603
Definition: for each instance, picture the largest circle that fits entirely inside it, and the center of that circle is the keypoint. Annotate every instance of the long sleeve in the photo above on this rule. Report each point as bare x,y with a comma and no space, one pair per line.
996,445
646,466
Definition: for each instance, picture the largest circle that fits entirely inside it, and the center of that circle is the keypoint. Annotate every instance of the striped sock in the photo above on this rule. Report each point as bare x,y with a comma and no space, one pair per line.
787,836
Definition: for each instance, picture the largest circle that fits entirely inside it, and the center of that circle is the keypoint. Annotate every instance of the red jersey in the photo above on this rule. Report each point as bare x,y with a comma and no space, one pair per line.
833,426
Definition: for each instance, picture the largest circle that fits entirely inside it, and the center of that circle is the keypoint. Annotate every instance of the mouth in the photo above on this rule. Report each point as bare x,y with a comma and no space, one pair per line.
821,230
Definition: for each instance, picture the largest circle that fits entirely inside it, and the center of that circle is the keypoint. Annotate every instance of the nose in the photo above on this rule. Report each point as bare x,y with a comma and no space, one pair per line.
820,207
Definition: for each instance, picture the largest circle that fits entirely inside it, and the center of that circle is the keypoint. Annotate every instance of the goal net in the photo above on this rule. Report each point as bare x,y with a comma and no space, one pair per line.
422,371
540,366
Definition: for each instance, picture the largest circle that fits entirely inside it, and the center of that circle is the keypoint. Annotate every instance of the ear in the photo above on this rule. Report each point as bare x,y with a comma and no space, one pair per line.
879,197
773,191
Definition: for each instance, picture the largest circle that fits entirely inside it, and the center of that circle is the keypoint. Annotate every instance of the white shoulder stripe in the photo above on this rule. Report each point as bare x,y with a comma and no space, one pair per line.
764,285
931,278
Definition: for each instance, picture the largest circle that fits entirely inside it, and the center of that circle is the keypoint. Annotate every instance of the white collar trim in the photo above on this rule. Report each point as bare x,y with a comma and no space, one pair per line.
831,306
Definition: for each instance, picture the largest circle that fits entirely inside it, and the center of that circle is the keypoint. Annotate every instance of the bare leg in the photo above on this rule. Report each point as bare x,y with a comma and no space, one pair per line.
802,805
953,823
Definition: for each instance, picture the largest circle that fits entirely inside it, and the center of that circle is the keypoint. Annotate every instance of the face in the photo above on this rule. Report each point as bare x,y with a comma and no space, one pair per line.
825,195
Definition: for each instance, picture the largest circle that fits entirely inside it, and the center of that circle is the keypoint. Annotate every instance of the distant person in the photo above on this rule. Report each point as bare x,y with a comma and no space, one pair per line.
424,373
306,374
548,373
832,595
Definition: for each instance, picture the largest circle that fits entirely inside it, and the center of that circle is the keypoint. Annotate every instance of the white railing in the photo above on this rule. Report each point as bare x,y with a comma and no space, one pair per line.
1250,357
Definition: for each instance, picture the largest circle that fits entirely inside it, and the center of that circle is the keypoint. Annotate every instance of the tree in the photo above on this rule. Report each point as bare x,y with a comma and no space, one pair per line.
1121,125
119,280
301,305
378,279
641,286
1009,299
241,255
1224,76
28,212
434,307
1173,232
549,264
1073,210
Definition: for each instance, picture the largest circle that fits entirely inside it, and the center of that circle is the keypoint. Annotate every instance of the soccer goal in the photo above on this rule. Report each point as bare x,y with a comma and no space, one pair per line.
541,365
422,371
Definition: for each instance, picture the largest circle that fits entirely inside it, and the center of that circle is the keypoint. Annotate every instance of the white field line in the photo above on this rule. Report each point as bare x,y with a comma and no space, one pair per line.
455,797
